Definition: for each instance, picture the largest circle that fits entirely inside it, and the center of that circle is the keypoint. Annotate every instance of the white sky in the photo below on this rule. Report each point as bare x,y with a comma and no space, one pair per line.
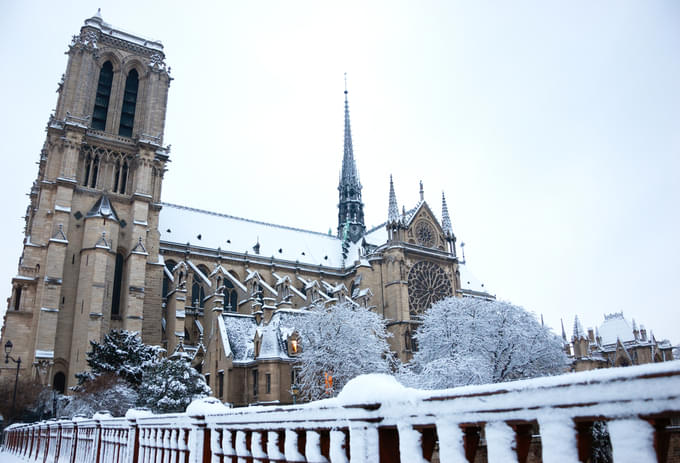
551,126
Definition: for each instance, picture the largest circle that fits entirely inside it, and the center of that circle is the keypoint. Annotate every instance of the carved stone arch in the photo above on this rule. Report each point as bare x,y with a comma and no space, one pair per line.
113,56
135,63
234,274
204,269
180,274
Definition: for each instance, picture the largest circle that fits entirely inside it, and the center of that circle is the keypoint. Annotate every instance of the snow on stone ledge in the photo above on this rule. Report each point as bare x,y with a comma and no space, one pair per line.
206,406
374,388
135,413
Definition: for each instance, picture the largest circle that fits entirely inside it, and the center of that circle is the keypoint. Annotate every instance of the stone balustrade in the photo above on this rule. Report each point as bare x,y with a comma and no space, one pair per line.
544,419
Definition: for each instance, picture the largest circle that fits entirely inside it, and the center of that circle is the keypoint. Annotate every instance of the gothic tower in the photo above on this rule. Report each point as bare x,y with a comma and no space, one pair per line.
90,259
350,208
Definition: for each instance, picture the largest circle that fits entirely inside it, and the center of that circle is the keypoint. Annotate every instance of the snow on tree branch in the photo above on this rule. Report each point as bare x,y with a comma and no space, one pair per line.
339,343
473,341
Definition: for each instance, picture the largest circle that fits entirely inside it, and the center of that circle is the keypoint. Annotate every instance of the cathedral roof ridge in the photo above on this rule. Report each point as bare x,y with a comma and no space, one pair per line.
259,222
382,225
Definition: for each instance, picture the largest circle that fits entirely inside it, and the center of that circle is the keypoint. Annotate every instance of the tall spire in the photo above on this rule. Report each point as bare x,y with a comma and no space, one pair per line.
349,168
446,219
393,210
350,208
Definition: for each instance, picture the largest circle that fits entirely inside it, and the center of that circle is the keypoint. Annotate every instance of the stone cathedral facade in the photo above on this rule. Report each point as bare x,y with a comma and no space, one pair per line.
102,251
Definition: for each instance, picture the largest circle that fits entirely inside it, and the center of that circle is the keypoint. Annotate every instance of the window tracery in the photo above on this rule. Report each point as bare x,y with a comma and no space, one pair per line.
425,234
427,284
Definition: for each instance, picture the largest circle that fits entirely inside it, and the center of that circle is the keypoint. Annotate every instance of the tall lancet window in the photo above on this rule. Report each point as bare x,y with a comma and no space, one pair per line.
127,115
101,102
117,284
120,176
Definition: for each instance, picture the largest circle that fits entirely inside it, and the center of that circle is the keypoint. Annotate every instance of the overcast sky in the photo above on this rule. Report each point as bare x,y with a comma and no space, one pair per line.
553,128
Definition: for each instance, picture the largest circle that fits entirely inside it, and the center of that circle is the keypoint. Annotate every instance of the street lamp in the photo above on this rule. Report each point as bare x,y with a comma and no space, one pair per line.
8,350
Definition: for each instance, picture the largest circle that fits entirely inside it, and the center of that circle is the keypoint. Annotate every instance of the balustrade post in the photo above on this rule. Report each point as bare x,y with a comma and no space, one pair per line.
451,445
199,450
275,445
364,444
632,440
132,441
409,443
558,440
313,450
500,442
339,446
292,446
258,445
97,440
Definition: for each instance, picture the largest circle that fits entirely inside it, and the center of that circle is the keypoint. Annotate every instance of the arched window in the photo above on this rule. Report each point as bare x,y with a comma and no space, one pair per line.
59,382
127,115
117,283
230,297
101,102
197,294
17,298
88,167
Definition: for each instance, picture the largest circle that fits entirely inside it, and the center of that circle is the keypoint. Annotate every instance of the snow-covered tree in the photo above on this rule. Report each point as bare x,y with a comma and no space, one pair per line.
121,352
339,343
474,341
105,392
170,385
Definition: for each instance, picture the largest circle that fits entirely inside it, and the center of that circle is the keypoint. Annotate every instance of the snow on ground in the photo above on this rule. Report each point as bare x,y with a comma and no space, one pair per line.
6,457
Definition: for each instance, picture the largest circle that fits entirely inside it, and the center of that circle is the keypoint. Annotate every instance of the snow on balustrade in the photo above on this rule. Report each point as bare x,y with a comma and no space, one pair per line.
375,419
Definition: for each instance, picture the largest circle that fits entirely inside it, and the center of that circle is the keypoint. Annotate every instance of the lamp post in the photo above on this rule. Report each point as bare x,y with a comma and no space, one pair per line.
8,350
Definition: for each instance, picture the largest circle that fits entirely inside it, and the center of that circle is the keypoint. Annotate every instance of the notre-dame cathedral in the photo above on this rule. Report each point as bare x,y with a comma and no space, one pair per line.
102,251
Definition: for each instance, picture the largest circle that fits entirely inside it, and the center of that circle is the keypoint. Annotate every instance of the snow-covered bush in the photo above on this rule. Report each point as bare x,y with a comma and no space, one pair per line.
339,342
105,392
121,352
473,341
170,385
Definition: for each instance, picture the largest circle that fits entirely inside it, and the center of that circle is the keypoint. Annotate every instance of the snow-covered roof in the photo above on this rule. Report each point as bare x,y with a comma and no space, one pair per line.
241,330
181,225
469,282
376,235
615,327
97,22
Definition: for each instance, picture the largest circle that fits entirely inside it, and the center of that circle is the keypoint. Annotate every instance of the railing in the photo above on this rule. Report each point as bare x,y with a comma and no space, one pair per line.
499,423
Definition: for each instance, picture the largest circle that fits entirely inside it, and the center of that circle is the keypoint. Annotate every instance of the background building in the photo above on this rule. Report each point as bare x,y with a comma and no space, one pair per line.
615,343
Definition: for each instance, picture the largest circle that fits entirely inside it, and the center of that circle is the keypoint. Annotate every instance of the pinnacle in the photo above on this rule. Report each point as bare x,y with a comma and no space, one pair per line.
446,219
393,210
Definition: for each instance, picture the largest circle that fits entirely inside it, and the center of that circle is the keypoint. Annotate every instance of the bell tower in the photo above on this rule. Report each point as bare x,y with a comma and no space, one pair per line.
90,259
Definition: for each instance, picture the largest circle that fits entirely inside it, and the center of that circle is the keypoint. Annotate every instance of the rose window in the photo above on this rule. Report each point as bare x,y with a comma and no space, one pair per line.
427,284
